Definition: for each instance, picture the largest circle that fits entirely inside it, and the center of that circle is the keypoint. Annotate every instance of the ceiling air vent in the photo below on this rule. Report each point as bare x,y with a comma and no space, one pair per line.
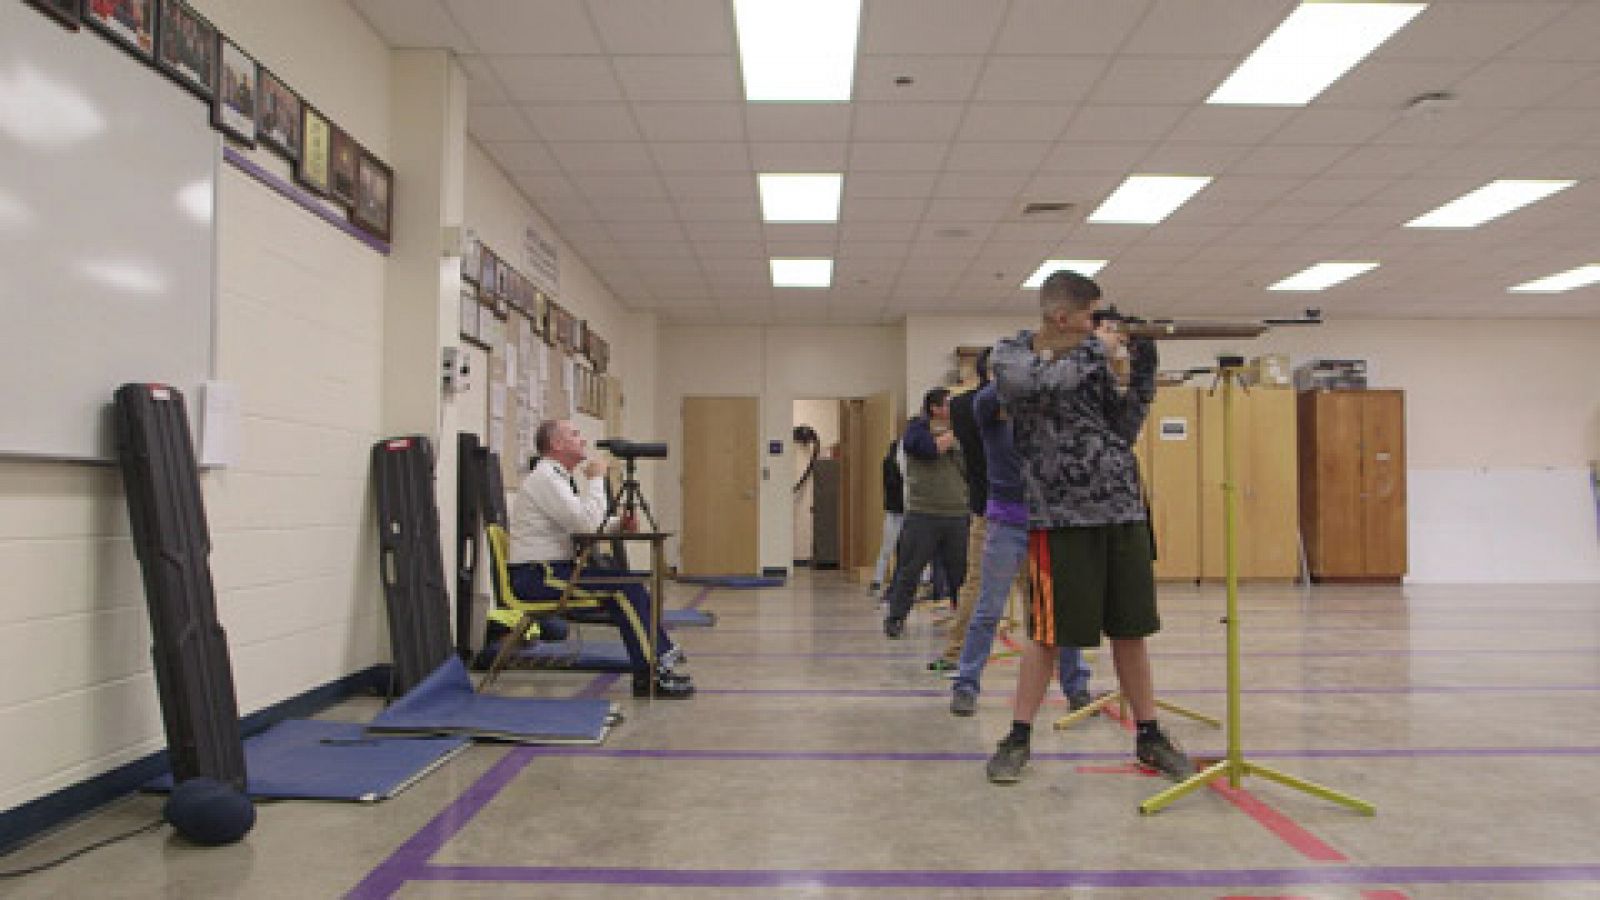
1047,211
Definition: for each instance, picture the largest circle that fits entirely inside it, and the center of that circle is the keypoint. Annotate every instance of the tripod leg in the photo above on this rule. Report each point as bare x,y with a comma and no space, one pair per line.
1189,713
1159,801
1076,716
1311,787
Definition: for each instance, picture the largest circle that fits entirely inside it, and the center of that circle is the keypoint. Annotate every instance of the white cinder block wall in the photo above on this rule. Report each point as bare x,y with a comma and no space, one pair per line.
299,331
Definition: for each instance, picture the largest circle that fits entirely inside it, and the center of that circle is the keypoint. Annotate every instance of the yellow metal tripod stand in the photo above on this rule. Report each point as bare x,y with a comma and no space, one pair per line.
1235,766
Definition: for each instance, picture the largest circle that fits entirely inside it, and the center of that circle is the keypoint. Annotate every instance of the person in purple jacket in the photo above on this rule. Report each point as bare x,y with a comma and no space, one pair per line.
1005,549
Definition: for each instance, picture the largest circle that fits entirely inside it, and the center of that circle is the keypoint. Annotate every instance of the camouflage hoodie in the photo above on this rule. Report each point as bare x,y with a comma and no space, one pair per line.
1074,431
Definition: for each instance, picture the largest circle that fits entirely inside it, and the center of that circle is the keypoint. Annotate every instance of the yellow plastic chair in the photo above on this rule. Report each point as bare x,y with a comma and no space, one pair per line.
519,615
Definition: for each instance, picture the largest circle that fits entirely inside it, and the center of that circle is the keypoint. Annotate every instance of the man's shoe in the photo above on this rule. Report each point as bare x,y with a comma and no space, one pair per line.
942,665
894,628
1005,766
675,687
1078,699
1164,756
963,702
874,588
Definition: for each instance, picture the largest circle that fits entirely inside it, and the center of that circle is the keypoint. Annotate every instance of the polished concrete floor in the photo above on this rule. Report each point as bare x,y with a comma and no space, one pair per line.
820,759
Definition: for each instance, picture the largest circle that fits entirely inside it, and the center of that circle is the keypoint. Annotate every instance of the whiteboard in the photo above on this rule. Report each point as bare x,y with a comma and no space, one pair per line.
108,175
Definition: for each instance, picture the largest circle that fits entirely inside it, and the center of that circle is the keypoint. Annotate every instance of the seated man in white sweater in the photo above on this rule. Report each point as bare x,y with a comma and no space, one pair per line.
550,507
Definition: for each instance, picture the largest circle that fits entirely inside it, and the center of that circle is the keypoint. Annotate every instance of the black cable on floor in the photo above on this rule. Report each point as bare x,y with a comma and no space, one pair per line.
18,873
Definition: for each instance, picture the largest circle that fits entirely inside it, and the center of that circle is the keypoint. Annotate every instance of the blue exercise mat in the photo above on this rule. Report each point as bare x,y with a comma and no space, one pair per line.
445,703
309,759
733,581
688,618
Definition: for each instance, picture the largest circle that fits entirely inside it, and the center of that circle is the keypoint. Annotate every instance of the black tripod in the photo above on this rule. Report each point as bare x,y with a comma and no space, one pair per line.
626,504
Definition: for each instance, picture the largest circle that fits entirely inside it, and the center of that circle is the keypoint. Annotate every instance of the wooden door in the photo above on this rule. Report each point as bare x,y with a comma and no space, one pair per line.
1335,542
1269,484
1383,483
721,483
873,419
1169,460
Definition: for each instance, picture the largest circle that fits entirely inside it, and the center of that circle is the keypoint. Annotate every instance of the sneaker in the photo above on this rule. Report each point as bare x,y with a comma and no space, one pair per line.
1005,767
942,665
963,703
1078,699
667,687
1163,755
894,628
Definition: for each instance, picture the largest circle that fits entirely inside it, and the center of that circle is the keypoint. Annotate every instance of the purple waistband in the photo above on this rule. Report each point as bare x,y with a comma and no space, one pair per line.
1008,512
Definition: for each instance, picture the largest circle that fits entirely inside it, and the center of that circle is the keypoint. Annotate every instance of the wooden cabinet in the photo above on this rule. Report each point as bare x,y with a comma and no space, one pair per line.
1180,457
1169,461
1353,490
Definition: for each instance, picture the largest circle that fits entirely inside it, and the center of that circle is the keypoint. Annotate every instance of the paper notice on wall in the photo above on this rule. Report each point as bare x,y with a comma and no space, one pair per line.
1174,428
511,363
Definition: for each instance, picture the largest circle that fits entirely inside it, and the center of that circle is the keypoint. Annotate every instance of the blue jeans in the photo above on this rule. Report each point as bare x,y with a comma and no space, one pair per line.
1005,550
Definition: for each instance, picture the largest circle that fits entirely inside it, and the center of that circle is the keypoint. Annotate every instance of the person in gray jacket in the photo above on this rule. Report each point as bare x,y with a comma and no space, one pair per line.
1089,551
936,507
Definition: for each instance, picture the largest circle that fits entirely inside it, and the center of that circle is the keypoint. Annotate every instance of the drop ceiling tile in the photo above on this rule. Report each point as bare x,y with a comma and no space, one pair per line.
585,122
560,79
928,26
602,156
1383,83
722,251
794,232
984,187
732,210
896,156
702,156
1568,38
526,26
859,251
797,121
1469,30
1394,159
1206,27
801,249
710,187
1340,192
1093,159
644,27
934,78
1192,159
797,156
483,86
996,156
884,209
1229,124
679,78
498,123
1541,128
1331,125
1113,124
615,210
1078,27
709,230
964,210
889,184
1160,81
546,187
690,121
1057,80
522,157
853,233
1289,159
906,121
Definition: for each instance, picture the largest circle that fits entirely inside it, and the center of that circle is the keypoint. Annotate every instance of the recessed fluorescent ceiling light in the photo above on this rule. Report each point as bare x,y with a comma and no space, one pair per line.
1147,199
1323,276
1491,201
1084,267
797,52
800,198
802,273
1310,50
1582,276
